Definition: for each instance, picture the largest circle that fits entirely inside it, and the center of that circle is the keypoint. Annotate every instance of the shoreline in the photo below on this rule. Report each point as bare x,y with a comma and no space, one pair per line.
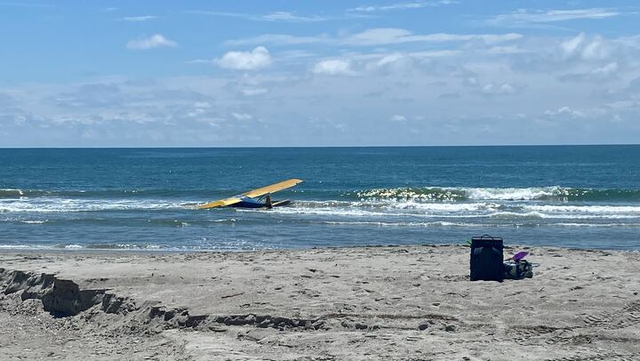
376,302
98,251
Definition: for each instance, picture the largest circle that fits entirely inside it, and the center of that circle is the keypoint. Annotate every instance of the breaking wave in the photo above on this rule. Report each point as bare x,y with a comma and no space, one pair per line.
63,205
11,193
394,207
454,194
492,212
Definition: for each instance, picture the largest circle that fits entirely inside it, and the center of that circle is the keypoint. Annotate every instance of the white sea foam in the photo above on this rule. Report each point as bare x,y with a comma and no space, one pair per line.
387,206
497,211
466,193
73,247
589,209
560,215
507,215
24,246
7,217
595,225
441,207
57,205
513,193
504,207
408,224
345,212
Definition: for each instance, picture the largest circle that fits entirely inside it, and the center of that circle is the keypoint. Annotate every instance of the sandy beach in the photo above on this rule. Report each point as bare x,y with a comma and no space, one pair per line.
366,303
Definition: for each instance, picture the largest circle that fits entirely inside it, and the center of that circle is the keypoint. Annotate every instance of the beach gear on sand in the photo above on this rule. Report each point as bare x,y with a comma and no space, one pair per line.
517,270
486,261
519,256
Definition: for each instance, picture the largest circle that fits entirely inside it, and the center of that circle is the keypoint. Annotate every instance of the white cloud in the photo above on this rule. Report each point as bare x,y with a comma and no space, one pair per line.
245,60
587,48
378,36
382,36
375,36
632,41
138,18
571,46
383,59
283,16
280,39
333,67
565,111
253,92
504,50
433,54
498,89
595,50
390,59
606,70
242,116
393,63
402,6
154,41
524,17
465,90
290,17
599,73
195,113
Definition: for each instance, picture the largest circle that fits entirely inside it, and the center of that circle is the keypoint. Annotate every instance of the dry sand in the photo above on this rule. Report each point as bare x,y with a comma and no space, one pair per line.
370,303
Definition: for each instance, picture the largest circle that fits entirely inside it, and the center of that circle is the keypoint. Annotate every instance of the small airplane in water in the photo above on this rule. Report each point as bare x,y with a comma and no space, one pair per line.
257,198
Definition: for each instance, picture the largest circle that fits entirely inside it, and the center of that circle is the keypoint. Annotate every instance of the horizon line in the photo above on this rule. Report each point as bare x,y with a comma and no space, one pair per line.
326,146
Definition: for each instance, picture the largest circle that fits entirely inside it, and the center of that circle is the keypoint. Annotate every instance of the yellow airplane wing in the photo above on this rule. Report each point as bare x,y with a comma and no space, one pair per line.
272,188
221,203
252,194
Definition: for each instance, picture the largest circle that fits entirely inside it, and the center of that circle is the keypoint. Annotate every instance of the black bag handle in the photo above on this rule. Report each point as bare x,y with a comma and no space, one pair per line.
486,237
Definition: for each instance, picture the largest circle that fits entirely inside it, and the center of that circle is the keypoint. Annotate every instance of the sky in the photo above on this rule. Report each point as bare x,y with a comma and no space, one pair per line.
318,73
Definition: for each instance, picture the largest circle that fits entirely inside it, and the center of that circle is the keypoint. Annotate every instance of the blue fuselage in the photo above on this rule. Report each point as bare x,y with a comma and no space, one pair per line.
249,203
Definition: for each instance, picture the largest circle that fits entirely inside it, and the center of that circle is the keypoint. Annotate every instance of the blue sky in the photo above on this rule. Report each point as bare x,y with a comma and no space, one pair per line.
318,73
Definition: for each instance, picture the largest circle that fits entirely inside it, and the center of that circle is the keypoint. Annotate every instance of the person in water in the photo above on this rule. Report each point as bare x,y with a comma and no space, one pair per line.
267,201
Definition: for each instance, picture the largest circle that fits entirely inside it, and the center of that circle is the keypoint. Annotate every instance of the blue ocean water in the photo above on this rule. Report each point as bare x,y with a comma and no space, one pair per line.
569,196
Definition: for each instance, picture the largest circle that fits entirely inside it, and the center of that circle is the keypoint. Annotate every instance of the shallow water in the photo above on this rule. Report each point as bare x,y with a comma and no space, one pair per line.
571,196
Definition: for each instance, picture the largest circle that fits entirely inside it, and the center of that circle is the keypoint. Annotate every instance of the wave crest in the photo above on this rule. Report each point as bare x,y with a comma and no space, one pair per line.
11,193
454,194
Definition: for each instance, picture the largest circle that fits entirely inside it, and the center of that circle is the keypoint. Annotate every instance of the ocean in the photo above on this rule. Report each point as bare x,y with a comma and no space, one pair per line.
143,199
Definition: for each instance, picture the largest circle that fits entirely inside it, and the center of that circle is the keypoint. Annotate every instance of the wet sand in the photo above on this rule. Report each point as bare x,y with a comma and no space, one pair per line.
365,303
